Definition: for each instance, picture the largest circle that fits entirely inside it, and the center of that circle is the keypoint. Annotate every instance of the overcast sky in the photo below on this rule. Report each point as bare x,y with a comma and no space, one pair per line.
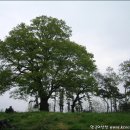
102,26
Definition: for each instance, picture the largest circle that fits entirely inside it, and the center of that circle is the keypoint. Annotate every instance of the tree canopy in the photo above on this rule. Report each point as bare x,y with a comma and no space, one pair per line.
41,59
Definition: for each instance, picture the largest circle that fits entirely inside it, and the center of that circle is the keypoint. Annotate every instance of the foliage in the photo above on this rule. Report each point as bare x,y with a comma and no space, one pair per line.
78,87
108,87
5,79
42,58
125,75
40,61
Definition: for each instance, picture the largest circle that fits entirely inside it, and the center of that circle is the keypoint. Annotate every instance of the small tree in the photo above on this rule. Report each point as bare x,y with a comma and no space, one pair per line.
102,92
77,88
108,88
112,81
125,76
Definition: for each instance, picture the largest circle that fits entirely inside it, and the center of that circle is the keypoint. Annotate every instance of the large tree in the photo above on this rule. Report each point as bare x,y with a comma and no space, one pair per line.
41,56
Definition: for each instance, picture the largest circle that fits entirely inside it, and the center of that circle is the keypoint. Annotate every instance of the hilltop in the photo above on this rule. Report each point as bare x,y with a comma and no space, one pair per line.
65,121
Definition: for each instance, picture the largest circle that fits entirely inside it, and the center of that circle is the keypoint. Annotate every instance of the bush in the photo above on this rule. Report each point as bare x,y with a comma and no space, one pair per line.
124,107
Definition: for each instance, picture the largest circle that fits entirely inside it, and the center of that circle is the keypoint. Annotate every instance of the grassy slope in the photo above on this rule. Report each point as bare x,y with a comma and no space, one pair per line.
52,121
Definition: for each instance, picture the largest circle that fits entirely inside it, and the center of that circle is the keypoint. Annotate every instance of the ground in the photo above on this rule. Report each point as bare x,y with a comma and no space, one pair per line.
67,121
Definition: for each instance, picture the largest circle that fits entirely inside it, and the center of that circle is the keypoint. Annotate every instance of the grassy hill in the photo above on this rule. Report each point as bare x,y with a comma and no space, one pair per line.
66,121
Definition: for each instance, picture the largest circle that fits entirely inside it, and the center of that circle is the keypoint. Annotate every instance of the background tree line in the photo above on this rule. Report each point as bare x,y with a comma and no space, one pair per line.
40,61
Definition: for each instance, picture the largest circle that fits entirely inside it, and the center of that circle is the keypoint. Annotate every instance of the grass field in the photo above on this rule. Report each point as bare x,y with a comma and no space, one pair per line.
67,121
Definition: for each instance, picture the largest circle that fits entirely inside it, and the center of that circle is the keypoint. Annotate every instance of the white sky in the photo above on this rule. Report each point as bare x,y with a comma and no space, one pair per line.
102,26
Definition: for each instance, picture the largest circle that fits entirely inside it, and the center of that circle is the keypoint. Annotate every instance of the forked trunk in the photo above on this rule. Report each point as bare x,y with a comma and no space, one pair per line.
106,104
72,108
44,106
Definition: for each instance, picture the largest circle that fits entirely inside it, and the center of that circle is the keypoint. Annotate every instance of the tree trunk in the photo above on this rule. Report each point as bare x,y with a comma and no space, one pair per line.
61,100
61,108
36,102
115,105
72,108
44,106
90,103
81,107
111,104
74,102
125,95
68,103
54,109
107,105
